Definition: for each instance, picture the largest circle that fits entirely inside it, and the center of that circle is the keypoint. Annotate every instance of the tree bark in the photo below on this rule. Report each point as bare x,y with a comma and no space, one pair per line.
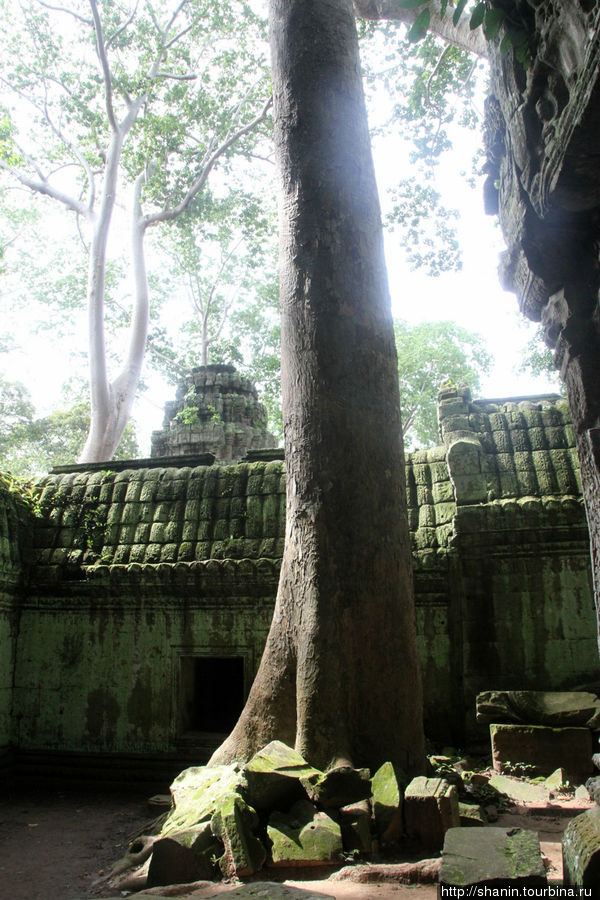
461,35
339,677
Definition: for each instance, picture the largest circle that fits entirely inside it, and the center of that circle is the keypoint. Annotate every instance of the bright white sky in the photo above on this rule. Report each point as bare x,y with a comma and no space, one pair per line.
472,297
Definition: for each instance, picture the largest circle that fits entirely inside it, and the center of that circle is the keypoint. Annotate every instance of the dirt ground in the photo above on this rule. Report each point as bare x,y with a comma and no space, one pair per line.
57,845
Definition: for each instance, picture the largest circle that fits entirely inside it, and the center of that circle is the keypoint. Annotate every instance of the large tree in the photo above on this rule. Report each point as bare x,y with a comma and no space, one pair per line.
339,677
139,104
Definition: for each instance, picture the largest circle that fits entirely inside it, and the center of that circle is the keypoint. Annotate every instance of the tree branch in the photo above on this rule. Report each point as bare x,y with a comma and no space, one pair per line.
101,48
168,214
177,37
69,12
122,28
190,77
48,190
460,35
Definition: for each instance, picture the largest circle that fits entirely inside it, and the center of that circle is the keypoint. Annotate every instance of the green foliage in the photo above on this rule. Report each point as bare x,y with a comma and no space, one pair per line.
539,360
430,88
30,446
430,354
189,415
493,16
428,238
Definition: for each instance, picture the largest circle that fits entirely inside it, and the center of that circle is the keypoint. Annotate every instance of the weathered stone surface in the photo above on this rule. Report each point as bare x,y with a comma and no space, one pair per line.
356,831
471,814
430,809
494,857
386,787
197,794
337,787
221,415
273,776
557,781
184,856
304,837
593,788
557,709
545,749
234,823
521,791
582,793
581,850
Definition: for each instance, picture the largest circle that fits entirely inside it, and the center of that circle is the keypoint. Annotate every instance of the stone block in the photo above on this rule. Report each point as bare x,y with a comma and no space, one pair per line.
273,776
520,790
304,837
492,858
234,823
184,856
430,809
471,814
386,790
544,749
581,850
557,709
355,822
197,794
337,787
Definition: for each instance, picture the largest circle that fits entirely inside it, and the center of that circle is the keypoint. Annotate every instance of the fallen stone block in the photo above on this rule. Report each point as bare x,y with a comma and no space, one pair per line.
430,809
234,823
184,856
593,788
356,831
273,776
556,709
198,792
543,749
520,791
304,837
471,814
386,789
581,850
338,787
492,857
558,781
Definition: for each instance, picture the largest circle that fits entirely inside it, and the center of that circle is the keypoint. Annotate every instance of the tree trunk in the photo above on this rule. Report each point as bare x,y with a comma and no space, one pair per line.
339,676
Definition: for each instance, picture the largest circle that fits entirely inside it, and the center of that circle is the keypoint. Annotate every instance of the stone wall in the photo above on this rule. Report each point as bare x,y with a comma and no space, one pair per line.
525,603
15,545
141,579
543,128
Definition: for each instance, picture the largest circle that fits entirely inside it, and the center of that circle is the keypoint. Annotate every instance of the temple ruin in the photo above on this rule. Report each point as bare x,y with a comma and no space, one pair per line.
137,596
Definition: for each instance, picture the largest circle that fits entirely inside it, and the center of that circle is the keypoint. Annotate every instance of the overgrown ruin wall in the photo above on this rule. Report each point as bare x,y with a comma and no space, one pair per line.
150,590
15,545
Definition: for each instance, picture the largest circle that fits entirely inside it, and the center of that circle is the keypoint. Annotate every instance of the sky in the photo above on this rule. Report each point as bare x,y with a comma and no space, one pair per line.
471,297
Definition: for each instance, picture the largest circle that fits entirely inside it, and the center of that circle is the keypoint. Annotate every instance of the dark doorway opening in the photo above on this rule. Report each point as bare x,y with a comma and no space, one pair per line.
213,693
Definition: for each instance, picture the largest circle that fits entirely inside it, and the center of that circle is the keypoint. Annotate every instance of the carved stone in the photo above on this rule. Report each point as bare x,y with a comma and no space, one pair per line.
543,139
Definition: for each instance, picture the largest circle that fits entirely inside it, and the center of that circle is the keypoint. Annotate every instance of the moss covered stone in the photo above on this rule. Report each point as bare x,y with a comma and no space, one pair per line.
337,787
304,837
235,823
492,857
273,776
387,786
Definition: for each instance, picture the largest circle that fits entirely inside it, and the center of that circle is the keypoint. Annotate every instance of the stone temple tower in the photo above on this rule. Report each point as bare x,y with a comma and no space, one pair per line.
216,411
